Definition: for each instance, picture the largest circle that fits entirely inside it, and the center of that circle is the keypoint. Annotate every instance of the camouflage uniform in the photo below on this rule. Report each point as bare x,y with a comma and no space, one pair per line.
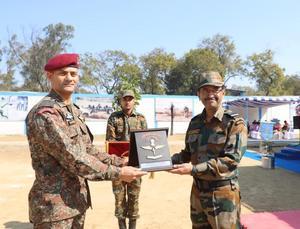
63,158
118,129
215,149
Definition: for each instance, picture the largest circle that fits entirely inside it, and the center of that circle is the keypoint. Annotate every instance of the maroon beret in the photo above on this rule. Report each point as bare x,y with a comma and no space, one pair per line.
62,60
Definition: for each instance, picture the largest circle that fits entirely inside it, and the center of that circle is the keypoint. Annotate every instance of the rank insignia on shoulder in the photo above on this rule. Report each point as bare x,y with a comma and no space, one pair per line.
234,114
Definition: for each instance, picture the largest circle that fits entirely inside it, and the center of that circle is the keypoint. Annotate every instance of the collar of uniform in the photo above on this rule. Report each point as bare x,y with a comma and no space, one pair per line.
57,98
133,113
219,114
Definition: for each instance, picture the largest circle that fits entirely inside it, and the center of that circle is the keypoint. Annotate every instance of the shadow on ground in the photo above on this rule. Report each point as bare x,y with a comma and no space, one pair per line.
17,225
260,187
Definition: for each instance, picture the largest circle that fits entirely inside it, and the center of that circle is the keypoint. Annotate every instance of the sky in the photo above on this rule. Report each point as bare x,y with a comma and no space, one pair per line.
139,26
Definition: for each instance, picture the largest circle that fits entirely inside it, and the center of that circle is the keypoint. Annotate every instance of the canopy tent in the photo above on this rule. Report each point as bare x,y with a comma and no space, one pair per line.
261,101
264,107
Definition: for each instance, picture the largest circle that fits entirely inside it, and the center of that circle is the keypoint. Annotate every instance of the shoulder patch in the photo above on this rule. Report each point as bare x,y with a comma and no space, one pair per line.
47,110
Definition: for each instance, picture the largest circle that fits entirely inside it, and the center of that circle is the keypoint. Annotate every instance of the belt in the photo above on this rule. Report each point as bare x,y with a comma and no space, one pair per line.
205,185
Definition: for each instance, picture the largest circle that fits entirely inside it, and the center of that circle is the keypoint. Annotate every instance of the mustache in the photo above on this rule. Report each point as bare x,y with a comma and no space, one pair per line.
210,97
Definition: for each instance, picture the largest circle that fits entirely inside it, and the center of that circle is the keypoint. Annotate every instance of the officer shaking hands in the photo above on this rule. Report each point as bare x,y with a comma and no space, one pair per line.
62,153
215,142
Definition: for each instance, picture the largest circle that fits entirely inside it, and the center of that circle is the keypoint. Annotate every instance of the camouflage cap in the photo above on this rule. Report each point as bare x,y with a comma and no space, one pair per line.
127,93
211,79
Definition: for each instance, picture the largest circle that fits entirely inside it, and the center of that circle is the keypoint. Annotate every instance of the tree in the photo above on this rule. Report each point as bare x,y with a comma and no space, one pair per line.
186,76
7,80
32,57
108,70
249,91
292,85
156,66
225,49
269,76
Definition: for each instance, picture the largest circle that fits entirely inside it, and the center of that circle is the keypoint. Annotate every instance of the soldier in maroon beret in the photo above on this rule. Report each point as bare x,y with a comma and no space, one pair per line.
63,155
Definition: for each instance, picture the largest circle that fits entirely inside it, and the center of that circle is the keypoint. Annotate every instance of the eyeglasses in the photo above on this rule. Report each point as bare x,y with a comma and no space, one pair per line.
212,89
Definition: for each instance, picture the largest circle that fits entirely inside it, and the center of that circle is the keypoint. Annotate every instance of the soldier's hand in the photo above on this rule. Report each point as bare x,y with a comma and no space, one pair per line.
129,173
125,161
182,169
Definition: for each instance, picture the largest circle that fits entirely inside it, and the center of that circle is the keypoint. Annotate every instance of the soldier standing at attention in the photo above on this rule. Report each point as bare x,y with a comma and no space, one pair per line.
215,142
118,129
62,153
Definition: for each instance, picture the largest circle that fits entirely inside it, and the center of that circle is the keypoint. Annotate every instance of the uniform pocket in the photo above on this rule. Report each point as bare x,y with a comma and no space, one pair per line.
83,129
73,131
193,142
217,139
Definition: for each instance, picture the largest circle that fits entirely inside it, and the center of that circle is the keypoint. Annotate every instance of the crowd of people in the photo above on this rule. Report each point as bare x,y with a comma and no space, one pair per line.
279,131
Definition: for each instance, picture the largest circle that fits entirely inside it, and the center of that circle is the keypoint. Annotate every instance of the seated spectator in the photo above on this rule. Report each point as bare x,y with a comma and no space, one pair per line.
285,126
277,127
254,126
254,130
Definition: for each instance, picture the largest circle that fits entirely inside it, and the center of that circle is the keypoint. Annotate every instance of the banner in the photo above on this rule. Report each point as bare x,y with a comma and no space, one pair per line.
182,109
13,108
95,108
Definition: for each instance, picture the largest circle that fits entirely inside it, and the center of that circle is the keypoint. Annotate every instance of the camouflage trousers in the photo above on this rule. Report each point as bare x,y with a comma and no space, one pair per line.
127,198
76,222
218,209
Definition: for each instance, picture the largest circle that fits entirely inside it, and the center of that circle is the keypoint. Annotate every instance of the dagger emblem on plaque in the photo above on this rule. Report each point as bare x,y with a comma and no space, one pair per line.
153,147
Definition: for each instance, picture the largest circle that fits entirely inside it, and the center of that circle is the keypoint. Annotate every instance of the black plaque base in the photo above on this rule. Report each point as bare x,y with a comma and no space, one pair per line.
149,150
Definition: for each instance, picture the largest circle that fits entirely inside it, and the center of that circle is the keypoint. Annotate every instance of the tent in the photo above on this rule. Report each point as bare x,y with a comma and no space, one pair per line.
262,104
259,101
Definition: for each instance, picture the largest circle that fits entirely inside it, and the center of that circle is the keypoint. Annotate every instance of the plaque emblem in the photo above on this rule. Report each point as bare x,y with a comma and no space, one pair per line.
153,147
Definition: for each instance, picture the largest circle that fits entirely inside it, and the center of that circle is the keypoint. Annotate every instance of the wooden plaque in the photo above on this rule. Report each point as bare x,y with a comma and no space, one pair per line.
149,149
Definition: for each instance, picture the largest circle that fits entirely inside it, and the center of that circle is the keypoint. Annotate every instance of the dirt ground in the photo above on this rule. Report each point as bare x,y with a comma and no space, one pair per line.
164,200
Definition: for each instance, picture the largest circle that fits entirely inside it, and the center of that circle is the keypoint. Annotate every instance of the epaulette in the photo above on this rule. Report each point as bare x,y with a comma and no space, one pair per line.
232,114
237,118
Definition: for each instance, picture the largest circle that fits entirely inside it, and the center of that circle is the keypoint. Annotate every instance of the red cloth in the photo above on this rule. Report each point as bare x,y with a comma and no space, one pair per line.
120,148
61,61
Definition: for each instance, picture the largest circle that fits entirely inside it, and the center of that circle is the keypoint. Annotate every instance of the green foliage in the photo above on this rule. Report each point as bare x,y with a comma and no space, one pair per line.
268,75
156,66
32,58
112,71
225,49
157,72
292,85
186,76
129,80
104,71
249,91
7,80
